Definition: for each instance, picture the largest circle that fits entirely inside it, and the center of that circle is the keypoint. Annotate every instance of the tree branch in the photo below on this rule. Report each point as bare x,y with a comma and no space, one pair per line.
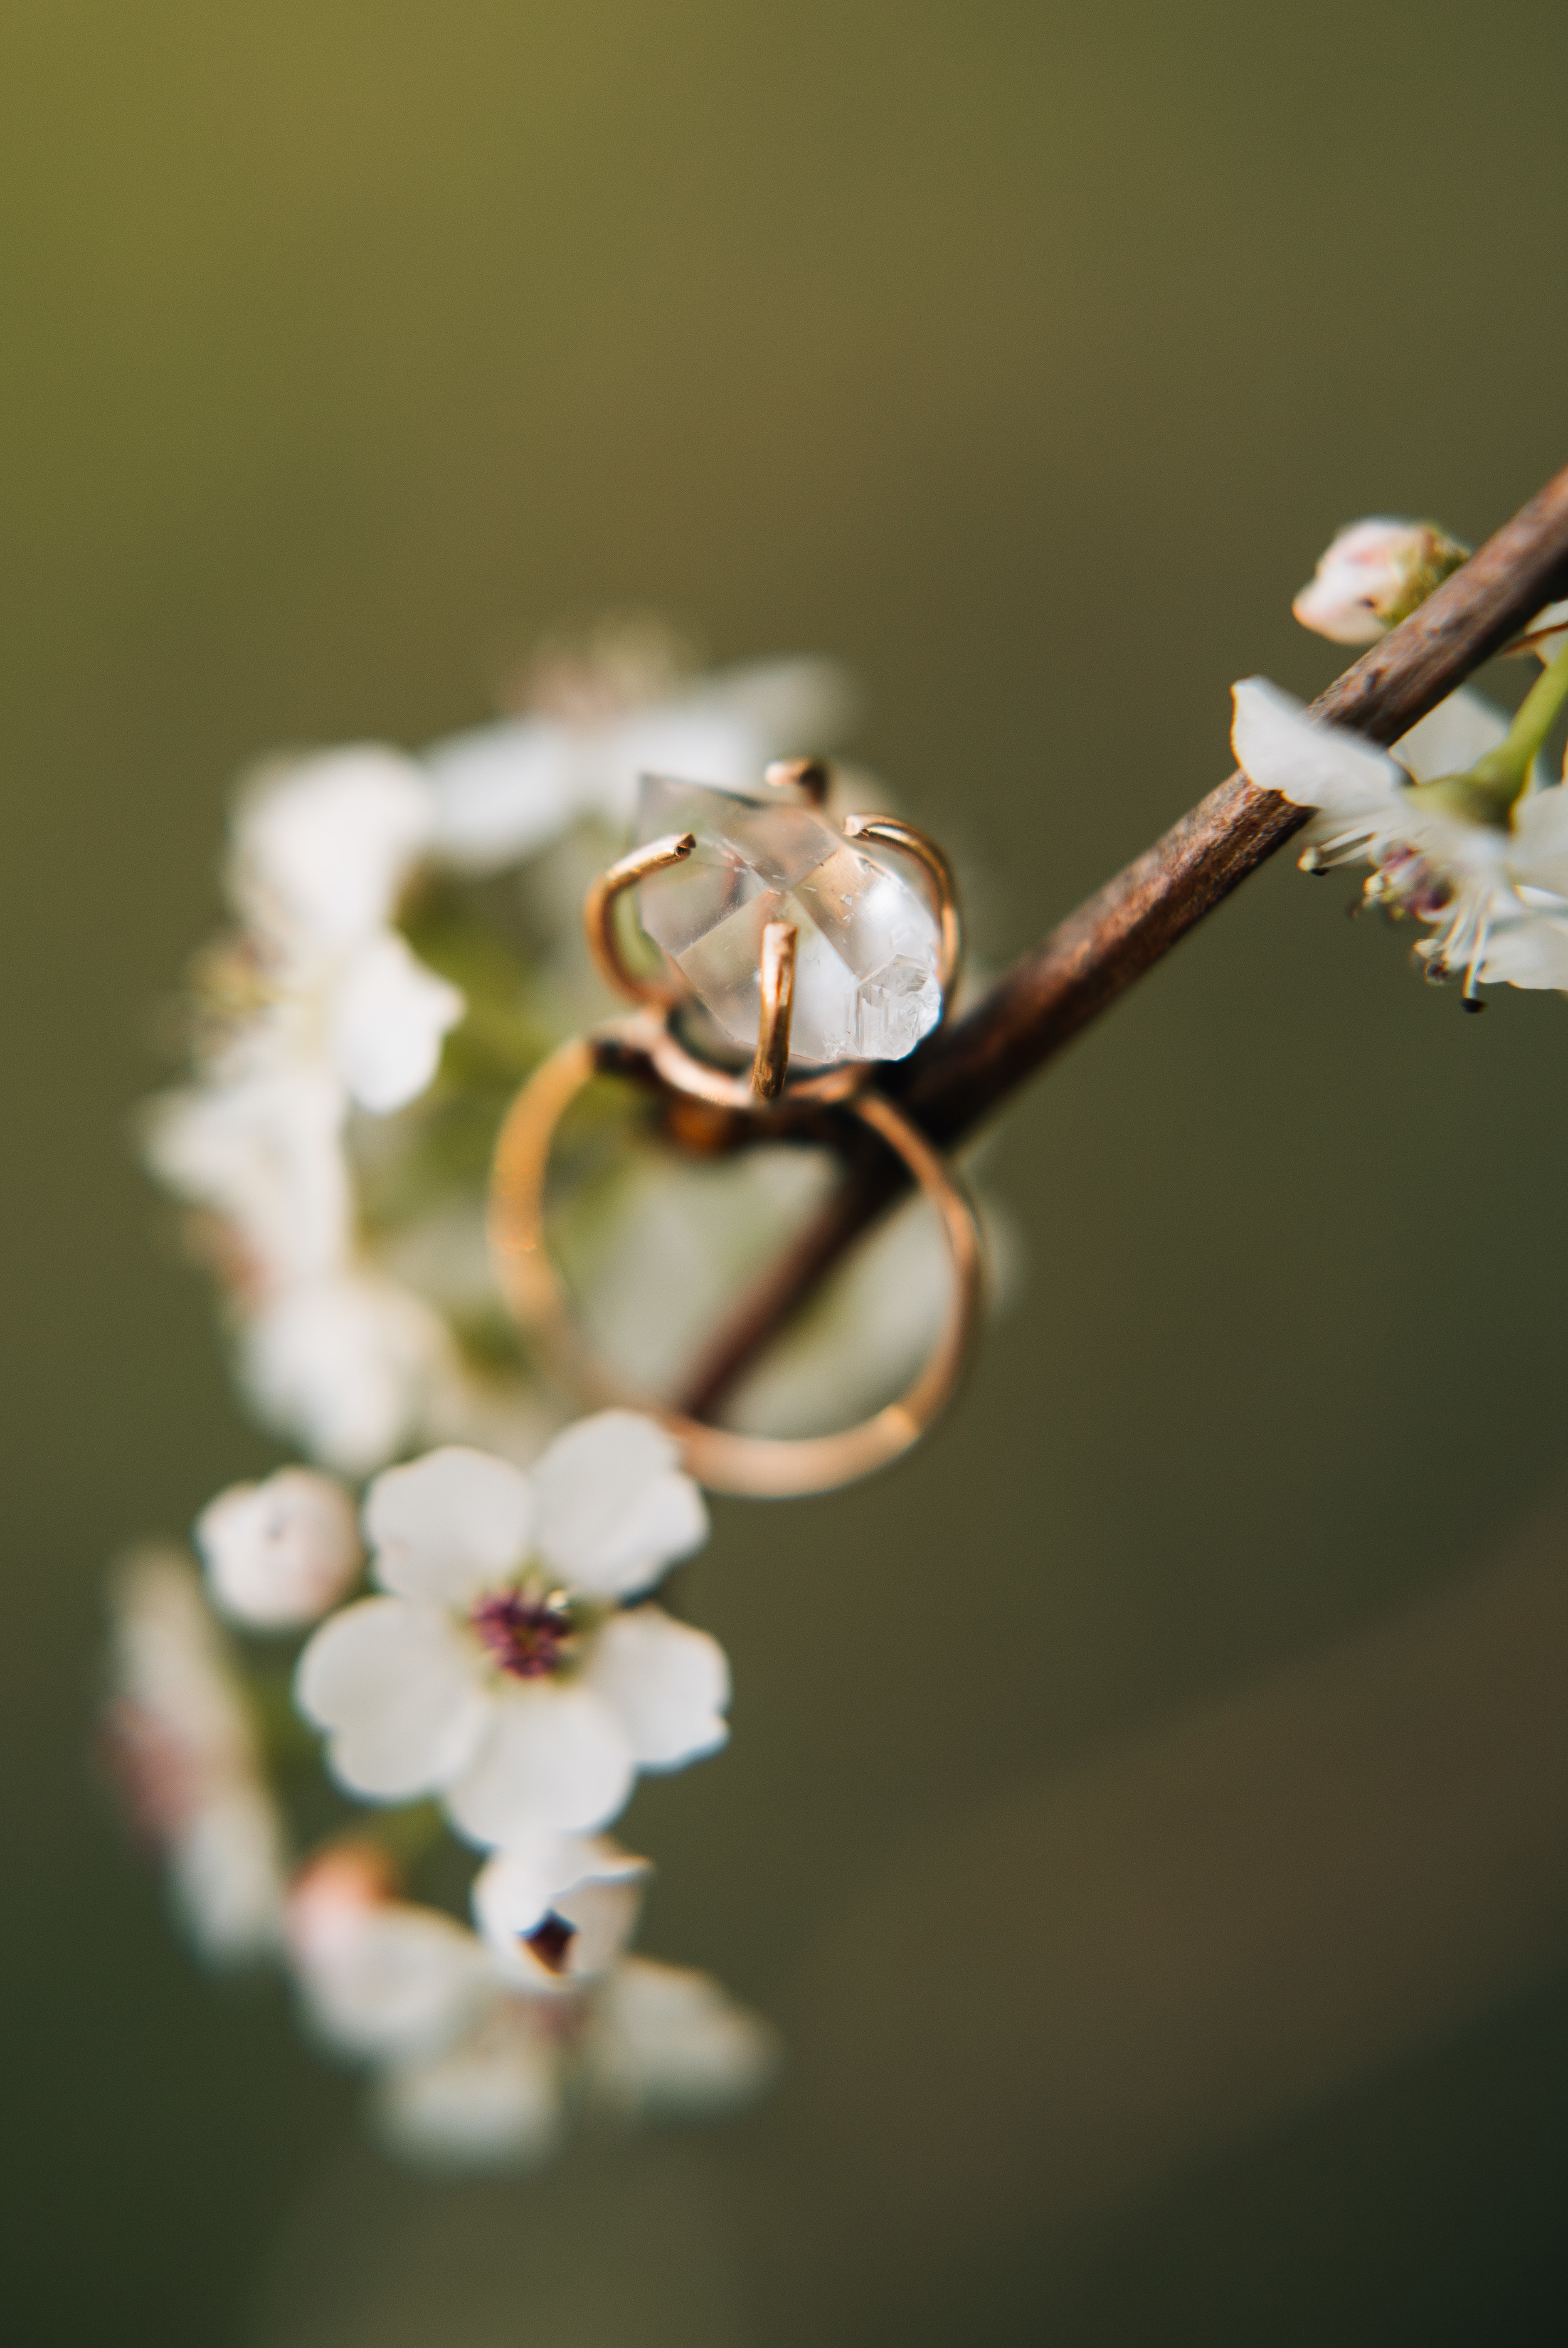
955,1080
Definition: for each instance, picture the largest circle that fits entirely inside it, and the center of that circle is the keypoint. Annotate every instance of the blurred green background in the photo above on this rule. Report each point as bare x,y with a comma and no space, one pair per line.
1148,1814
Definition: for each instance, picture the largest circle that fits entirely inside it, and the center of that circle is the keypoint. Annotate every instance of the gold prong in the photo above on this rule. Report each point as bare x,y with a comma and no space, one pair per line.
598,914
771,1065
809,775
926,853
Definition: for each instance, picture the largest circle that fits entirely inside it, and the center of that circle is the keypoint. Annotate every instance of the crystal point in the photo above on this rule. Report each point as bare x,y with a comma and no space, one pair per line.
868,960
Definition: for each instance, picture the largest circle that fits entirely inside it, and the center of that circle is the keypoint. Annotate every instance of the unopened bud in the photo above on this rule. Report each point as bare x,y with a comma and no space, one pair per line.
279,1554
1374,575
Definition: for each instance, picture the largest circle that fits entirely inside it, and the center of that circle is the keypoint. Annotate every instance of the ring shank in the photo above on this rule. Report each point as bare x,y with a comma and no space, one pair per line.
760,1466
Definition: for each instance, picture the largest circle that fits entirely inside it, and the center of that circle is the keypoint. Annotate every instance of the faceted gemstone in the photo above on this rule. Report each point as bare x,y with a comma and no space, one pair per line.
868,949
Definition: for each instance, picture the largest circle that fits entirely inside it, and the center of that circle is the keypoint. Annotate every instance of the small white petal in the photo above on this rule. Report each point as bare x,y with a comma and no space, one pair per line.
556,1760
352,1365
227,1871
180,1710
171,1664
389,1014
668,2039
450,1525
398,1689
786,703
321,849
668,1684
1548,630
1281,749
614,1507
502,792
493,2101
587,1883
265,1151
1451,738
512,1891
280,1553
404,1980
1529,954
1540,846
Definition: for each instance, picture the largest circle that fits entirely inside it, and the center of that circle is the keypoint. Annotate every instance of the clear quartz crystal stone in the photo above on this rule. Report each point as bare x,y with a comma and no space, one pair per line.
867,952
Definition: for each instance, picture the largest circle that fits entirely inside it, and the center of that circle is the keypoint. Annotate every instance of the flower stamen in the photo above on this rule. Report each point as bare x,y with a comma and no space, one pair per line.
530,1638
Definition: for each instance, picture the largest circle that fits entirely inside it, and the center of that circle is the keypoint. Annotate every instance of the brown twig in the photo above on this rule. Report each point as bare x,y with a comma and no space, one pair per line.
953,1082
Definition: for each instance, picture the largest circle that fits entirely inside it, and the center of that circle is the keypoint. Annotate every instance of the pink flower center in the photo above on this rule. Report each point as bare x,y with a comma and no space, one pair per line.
529,1637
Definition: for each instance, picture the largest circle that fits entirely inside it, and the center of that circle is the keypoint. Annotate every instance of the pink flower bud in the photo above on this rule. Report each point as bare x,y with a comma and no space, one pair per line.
1374,575
279,1554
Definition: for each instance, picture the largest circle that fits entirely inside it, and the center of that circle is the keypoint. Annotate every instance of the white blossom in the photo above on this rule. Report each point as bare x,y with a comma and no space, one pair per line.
380,1976
1374,574
320,1007
558,1909
647,2041
501,1670
279,1554
503,791
353,1364
181,1740
321,853
1494,894
493,2100
321,847
263,1150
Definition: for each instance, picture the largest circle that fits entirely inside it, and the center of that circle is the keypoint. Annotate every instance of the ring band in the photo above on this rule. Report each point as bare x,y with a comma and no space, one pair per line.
760,1467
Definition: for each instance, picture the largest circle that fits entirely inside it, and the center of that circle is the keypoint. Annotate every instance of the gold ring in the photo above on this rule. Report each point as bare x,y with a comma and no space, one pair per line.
770,1071
762,1467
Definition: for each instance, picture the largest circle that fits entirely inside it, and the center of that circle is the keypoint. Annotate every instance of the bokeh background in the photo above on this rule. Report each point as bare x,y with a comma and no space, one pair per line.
1148,1814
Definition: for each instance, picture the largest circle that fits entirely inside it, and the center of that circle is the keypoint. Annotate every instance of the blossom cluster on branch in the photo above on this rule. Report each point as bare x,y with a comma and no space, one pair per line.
1463,829
379,1733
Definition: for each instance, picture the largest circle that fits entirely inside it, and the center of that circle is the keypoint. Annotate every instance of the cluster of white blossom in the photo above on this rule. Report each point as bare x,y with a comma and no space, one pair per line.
405,948
1462,830
321,1089
512,1665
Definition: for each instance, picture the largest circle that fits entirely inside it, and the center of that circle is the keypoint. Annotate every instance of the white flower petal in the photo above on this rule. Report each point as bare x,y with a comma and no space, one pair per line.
398,1690
512,1891
1281,749
401,1981
585,1882
556,1760
614,1507
389,1014
1539,849
352,1365
668,1684
280,1553
501,792
493,2101
806,703
227,1871
171,1664
603,1917
1548,630
1451,738
321,849
265,1151
1529,953
670,2040
448,1525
